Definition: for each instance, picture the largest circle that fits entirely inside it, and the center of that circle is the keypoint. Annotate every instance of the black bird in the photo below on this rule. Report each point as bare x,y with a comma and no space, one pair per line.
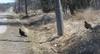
87,25
22,33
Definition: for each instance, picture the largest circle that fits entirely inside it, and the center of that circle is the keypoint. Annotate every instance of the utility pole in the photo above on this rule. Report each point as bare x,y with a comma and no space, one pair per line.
26,9
59,17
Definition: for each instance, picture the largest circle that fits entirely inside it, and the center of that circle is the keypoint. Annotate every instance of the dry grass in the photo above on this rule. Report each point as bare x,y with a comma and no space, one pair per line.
88,15
76,39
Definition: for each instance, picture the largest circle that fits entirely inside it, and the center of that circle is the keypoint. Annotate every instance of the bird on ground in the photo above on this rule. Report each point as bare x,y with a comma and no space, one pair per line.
22,33
87,25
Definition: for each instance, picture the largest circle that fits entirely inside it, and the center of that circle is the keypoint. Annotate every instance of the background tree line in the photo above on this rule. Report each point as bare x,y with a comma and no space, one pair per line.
49,5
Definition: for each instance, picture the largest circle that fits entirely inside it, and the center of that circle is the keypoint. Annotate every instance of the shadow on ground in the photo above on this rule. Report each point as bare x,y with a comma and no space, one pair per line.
87,43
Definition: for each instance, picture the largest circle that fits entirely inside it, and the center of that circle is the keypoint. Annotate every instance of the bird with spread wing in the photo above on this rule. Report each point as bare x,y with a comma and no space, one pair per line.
87,25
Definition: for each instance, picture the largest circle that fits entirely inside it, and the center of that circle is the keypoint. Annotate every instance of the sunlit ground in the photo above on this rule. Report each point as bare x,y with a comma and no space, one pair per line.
3,28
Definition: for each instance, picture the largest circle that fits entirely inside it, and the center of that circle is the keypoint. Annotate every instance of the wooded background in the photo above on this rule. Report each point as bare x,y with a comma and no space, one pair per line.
48,5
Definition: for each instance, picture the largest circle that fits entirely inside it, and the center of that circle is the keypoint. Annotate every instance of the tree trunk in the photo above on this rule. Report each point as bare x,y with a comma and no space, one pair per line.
26,11
59,17
19,5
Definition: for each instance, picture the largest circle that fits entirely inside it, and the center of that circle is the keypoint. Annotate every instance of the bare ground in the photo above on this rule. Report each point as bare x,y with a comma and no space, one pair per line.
76,40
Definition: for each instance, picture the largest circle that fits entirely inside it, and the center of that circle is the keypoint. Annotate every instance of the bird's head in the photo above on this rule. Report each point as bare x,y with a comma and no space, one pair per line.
85,22
19,28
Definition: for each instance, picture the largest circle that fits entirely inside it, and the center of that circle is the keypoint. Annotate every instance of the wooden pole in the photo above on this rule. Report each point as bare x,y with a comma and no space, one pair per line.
59,17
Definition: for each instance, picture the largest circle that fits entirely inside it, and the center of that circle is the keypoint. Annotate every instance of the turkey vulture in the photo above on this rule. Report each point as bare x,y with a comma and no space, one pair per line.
87,25
22,33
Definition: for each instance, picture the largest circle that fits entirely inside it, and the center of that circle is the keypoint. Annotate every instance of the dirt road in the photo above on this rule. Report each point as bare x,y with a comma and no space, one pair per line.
11,42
